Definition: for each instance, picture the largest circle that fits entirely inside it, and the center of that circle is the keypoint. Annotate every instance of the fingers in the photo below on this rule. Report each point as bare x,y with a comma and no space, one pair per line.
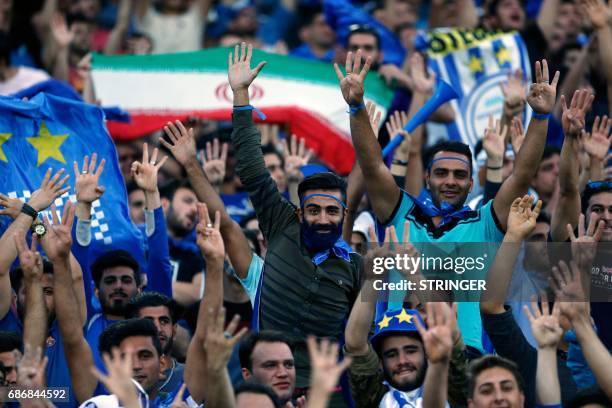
537,209
100,168
68,215
581,225
161,162
20,242
372,235
348,66
259,67
179,394
338,72
592,223
600,227
145,153
538,72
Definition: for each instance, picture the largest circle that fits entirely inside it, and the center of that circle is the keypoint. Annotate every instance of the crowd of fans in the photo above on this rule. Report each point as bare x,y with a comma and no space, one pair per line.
258,287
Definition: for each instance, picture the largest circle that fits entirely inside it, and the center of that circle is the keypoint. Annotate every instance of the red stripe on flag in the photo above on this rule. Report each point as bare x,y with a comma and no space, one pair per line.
328,143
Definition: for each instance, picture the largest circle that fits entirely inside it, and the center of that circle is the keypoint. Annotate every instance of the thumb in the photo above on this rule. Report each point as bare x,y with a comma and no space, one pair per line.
100,189
259,67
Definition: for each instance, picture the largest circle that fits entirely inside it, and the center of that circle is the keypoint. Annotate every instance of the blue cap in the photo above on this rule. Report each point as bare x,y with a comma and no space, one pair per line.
310,169
396,322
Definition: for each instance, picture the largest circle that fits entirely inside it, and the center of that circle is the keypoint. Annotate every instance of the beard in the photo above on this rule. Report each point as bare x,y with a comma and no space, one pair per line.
115,307
176,226
407,385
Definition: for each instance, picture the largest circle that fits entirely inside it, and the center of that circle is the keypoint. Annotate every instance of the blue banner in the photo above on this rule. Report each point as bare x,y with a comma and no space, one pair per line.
52,132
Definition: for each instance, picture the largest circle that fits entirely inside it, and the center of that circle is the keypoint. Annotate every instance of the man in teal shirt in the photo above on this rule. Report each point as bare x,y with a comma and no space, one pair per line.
442,216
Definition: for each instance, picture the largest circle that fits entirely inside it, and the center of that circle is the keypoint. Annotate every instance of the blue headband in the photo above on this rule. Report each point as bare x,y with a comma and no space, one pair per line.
448,158
321,195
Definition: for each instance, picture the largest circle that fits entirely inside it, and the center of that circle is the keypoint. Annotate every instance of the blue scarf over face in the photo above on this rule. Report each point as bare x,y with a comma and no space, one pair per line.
325,239
447,211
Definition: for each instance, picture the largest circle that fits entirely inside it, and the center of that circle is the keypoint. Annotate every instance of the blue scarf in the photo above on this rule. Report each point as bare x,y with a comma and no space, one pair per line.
340,249
448,212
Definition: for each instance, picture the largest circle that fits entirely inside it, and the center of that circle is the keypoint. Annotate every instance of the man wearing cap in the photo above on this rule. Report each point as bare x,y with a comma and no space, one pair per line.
310,276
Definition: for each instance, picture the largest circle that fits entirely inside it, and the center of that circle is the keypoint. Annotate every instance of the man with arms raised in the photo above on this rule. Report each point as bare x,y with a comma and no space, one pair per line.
310,276
443,216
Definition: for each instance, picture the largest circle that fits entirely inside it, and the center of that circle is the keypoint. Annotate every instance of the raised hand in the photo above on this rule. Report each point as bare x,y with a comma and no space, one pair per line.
58,239
119,378
542,94
544,324
87,181
597,12
183,145
421,83
597,143
573,117
240,73
31,368
178,402
522,218
209,237
326,369
438,336
50,189
295,157
214,161
494,141
269,135
584,247
59,29
29,258
219,343
515,92
395,126
374,116
145,173
567,286
517,134
352,85
12,206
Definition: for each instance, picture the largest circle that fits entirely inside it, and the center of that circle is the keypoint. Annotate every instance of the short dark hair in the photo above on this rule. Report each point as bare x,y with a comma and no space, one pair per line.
152,299
493,4
169,189
324,181
586,396
448,146
17,275
10,341
481,364
594,188
363,29
258,388
270,149
114,334
131,186
250,341
111,259
550,151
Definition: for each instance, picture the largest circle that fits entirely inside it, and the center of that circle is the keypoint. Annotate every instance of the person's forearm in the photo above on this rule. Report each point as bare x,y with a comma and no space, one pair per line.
568,209
494,169
152,200
595,353
573,79
499,275
113,44
292,188
354,192
35,321
547,17
8,250
220,392
436,385
83,210
468,14
159,269
78,286
548,390
61,67
596,169
413,182
604,36
360,321
530,154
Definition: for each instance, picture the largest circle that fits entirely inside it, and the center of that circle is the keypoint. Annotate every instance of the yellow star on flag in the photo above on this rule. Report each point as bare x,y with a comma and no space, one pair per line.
384,322
403,316
475,64
47,145
3,138
503,55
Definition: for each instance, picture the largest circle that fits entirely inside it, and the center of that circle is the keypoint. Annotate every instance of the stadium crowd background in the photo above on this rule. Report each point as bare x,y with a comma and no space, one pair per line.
202,257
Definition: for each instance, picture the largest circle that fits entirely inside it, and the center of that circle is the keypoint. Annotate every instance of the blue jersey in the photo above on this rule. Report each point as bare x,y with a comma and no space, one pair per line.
477,226
95,327
58,374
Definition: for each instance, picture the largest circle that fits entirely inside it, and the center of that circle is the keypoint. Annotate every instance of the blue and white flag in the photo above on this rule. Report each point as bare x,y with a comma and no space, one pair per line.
52,132
475,62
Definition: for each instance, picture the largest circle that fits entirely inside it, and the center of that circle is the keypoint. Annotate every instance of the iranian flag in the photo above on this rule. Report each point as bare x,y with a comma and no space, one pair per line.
302,93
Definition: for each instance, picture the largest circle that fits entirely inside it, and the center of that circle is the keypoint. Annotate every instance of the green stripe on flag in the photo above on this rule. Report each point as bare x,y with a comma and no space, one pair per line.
215,60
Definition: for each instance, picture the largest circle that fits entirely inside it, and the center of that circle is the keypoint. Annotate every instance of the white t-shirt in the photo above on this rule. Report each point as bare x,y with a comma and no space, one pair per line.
173,33
25,78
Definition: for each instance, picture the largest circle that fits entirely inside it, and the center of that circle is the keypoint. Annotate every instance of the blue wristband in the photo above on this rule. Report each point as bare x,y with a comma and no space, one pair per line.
259,113
541,116
353,109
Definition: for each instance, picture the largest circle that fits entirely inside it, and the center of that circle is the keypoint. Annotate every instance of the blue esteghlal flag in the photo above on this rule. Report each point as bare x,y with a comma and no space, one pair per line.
475,62
52,132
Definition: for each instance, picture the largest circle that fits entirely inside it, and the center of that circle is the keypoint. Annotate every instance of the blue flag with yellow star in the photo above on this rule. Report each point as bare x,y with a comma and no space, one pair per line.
52,132
475,62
